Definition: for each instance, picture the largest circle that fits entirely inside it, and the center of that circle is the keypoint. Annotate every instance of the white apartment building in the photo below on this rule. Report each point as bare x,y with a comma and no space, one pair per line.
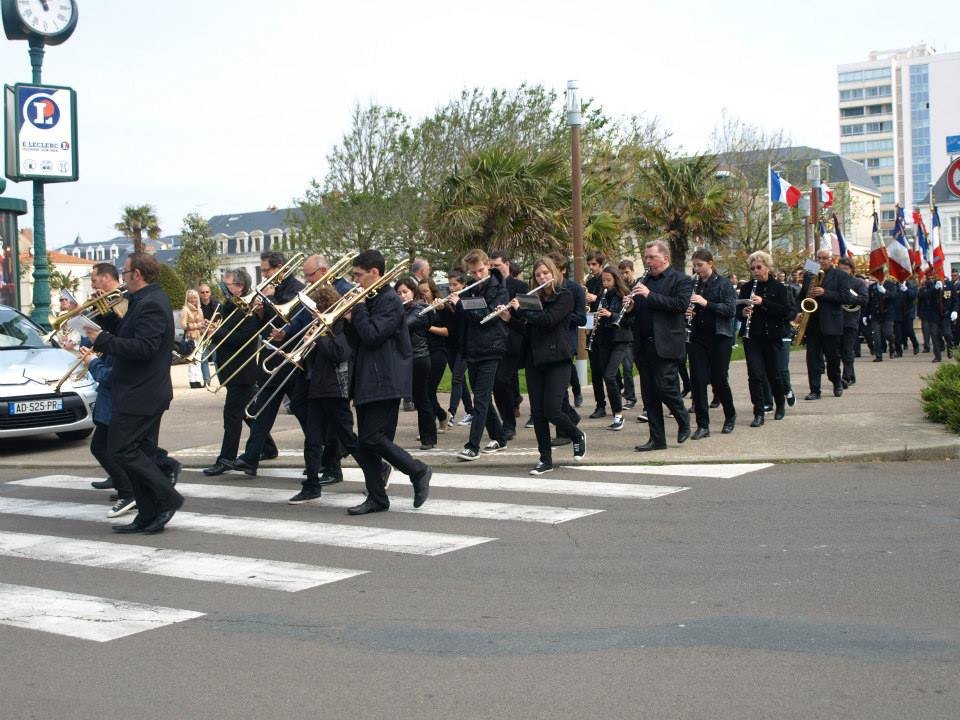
896,110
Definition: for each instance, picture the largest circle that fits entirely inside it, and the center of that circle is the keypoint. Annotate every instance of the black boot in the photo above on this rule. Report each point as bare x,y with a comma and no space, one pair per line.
781,411
757,419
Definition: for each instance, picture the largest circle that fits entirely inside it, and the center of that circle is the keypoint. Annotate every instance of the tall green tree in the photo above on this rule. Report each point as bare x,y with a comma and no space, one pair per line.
681,199
197,261
137,220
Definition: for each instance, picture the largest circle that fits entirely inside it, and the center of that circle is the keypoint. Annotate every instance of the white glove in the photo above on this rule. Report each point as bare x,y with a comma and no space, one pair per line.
881,289
953,316
865,321
938,285
903,286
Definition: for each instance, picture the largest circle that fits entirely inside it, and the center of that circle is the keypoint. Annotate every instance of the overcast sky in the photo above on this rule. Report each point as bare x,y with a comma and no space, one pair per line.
224,106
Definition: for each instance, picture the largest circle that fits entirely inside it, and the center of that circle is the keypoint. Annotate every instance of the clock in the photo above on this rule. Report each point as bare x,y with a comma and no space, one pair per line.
47,21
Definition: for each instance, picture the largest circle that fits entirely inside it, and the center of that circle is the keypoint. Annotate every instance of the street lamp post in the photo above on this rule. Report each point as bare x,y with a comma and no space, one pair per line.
41,269
813,176
574,120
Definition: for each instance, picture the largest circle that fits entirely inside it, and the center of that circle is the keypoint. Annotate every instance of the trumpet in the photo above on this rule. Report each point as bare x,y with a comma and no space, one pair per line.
491,315
440,302
322,324
286,310
94,307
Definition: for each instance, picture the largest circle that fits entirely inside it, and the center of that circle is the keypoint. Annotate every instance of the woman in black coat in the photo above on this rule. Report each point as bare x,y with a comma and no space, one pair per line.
612,344
438,336
765,315
547,361
418,326
710,318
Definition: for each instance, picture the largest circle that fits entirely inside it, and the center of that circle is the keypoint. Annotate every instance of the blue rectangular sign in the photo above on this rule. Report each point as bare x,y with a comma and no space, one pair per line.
953,144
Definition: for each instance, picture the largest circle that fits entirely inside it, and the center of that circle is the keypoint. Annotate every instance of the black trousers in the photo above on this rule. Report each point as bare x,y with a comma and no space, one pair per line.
933,334
438,363
710,365
482,376
906,332
626,369
659,386
376,428
818,347
848,351
882,330
260,438
763,368
547,390
459,389
596,375
132,441
330,423
98,448
233,419
506,393
426,418
611,357
575,379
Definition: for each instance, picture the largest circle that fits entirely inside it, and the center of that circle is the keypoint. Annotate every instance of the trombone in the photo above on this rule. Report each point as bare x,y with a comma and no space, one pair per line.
200,347
322,324
286,310
500,308
94,307
73,369
440,302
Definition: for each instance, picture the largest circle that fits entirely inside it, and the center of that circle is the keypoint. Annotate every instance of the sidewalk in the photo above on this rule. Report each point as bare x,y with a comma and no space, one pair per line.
879,418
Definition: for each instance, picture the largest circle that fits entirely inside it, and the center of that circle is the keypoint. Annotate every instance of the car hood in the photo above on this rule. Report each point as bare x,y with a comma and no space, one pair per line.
34,366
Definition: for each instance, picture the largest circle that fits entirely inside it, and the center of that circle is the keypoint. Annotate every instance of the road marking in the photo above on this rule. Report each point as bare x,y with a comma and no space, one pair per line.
204,451
450,508
82,616
205,567
518,484
412,542
723,471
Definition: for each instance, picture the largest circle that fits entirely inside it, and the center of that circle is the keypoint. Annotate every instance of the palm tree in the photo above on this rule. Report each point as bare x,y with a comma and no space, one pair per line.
136,220
504,199
680,199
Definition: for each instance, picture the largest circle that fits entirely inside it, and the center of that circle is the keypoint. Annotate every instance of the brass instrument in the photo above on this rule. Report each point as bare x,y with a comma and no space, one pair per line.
440,302
746,323
94,307
322,324
286,310
203,342
808,306
73,369
490,316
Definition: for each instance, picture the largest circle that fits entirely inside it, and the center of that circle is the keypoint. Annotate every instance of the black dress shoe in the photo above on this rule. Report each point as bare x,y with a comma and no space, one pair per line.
421,486
159,522
330,478
837,390
812,396
137,526
878,358
844,383
103,484
683,434
714,403
509,434
270,454
781,413
757,420
728,426
650,445
174,473
700,433
243,466
218,468
367,506
598,413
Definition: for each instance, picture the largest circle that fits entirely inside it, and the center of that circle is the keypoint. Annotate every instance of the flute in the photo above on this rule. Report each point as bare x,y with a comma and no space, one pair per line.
440,302
500,308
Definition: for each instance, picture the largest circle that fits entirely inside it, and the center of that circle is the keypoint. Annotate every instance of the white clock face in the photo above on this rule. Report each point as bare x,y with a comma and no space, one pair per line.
47,17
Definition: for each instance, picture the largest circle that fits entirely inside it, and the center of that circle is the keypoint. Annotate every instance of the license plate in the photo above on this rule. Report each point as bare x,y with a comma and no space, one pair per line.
25,407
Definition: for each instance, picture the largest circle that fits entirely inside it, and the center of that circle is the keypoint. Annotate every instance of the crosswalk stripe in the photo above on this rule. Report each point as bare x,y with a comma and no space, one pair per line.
205,567
584,488
413,542
724,471
82,616
450,508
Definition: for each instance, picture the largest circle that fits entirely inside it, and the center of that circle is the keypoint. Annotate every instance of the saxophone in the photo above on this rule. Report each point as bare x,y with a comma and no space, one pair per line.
808,306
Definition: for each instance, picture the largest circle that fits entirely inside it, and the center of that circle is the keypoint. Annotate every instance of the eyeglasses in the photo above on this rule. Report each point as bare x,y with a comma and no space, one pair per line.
757,267
126,272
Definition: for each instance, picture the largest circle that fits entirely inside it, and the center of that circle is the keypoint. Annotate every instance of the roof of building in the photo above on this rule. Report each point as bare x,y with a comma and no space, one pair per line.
794,159
262,220
57,258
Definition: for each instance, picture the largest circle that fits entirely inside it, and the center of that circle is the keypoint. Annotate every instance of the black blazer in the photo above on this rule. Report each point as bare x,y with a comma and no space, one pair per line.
851,318
383,360
829,316
330,365
772,317
721,307
241,329
484,342
667,307
142,349
547,333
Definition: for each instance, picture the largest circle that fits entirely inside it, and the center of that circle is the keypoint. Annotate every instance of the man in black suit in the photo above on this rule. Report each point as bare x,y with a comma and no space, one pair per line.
142,349
659,339
382,374
825,326
852,308
505,386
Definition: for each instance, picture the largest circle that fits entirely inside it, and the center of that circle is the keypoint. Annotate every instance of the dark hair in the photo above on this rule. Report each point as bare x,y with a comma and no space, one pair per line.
147,265
411,284
625,265
274,259
240,276
847,262
324,296
370,259
597,256
434,290
619,286
106,268
499,255
514,268
458,275
702,254
559,259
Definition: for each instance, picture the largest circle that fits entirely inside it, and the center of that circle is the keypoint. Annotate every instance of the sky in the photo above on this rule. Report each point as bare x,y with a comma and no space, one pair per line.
222,106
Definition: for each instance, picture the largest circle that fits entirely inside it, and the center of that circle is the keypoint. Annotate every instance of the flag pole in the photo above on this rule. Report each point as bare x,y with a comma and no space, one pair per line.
770,209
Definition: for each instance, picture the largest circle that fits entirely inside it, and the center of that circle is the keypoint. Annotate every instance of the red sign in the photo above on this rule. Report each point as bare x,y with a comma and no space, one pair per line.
953,177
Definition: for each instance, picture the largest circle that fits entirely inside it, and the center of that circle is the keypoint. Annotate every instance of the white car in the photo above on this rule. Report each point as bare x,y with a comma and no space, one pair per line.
29,372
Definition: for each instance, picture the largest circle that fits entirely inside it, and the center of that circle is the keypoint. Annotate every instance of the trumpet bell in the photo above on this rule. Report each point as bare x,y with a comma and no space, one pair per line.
809,305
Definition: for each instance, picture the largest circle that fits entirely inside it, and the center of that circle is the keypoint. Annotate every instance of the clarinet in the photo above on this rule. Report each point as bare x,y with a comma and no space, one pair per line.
746,324
692,308
628,300
596,325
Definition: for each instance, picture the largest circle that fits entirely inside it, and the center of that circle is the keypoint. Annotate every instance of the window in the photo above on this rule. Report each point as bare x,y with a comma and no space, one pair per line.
954,236
879,109
887,198
883,180
242,243
878,127
864,75
887,215
878,162
256,239
878,91
89,253
76,252
868,146
851,112
846,130
114,252
851,94
100,255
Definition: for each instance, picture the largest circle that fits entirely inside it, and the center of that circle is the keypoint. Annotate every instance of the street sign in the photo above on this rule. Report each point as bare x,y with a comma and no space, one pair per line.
953,144
953,177
41,133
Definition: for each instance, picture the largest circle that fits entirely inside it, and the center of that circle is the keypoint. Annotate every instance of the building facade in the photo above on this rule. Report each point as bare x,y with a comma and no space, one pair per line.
242,237
896,110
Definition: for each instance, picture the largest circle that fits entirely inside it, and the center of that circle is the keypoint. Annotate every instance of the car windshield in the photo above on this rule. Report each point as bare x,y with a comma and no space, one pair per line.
18,332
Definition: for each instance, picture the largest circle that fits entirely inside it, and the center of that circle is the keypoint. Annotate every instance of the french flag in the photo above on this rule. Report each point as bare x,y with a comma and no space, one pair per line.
897,252
922,243
826,195
919,250
842,249
937,249
878,252
782,191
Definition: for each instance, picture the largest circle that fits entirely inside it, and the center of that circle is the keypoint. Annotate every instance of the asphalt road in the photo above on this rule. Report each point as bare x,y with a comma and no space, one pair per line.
794,591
